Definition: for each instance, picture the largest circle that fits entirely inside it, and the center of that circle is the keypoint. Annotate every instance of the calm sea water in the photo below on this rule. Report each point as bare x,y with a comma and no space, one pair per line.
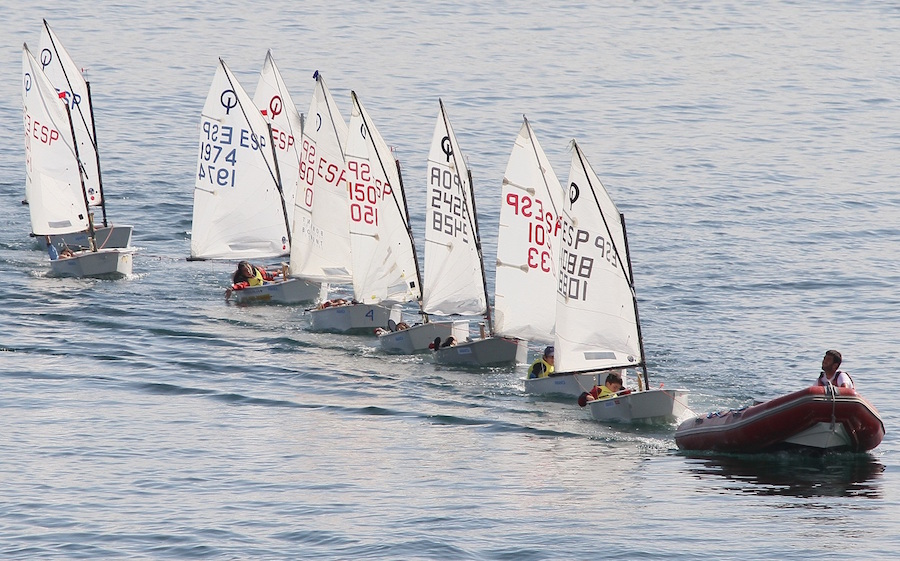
752,146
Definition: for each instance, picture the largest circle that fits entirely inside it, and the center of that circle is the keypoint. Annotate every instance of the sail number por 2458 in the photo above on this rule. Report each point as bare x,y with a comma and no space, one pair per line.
449,213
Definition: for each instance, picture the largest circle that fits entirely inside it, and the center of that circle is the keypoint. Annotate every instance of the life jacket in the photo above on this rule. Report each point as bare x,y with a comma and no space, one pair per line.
604,392
824,381
548,369
257,278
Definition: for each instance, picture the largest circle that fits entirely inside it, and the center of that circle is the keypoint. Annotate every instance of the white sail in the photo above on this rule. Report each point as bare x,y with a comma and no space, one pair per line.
596,323
238,212
384,267
275,103
524,303
56,197
321,249
453,277
68,80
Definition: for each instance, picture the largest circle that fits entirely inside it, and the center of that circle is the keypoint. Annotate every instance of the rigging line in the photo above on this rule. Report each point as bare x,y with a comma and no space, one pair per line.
97,154
281,197
682,403
92,130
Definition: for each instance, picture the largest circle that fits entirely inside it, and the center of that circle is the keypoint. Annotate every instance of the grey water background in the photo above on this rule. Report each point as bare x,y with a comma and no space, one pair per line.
752,146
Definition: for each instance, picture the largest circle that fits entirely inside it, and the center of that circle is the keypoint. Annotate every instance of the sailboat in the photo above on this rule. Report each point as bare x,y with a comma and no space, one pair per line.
58,203
385,270
455,280
527,243
421,336
597,323
68,80
239,205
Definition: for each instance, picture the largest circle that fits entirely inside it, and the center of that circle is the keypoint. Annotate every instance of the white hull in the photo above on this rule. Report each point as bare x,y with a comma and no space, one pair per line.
418,337
492,351
104,263
109,237
822,435
562,384
650,406
290,291
355,318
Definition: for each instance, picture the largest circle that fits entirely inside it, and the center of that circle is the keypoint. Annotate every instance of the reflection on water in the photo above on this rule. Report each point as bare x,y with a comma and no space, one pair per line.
793,474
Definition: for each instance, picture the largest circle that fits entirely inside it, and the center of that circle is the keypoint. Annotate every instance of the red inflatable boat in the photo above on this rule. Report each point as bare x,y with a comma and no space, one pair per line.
822,417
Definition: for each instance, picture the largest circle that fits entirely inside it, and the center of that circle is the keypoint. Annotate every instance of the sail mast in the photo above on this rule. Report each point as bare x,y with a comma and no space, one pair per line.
287,221
487,301
634,298
412,243
96,152
473,223
81,177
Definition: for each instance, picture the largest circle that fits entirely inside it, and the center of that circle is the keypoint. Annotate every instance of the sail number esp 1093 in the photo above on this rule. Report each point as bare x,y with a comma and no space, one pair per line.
576,265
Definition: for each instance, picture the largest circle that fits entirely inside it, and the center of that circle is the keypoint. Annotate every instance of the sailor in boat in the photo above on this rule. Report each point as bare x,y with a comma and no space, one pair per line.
56,254
392,327
249,275
611,388
336,302
543,366
830,375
